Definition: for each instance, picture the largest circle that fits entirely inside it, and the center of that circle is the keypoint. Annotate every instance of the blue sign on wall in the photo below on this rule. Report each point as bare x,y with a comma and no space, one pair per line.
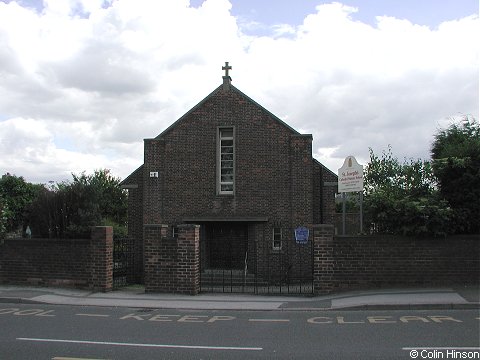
301,235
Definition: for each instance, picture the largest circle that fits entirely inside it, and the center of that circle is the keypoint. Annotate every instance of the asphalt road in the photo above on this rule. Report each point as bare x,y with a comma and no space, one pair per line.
66,332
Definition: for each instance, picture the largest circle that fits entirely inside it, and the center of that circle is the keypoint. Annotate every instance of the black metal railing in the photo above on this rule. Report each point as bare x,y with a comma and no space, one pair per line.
123,262
288,271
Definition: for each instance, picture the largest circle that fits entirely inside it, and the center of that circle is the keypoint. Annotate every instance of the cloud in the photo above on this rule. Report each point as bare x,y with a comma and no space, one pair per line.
32,151
83,82
104,68
356,86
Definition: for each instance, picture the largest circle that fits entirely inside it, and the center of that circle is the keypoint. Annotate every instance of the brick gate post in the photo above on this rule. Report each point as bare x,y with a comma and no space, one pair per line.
323,262
159,258
172,265
101,267
188,271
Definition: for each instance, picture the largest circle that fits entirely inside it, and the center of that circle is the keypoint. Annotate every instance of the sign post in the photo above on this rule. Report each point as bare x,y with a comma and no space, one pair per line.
350,179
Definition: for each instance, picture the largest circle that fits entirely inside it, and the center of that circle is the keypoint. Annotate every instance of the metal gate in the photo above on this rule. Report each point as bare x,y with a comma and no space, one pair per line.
258,269
123,262
287,271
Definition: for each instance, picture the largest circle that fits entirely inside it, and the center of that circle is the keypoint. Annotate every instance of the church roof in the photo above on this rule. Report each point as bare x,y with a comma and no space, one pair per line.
230,88
324,167
132,178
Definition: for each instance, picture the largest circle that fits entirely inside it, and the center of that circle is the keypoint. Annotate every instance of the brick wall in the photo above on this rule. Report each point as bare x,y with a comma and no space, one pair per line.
301,178
186,158
85,263
329,189
101,258
172,265
273,167
324,189
153,194
323,261
343,263
275,174
135,218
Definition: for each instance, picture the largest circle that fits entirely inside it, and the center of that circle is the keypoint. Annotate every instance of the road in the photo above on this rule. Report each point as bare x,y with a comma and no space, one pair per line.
66,332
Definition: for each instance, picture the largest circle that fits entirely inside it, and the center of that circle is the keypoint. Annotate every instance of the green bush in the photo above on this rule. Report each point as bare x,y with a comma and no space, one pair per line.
402,198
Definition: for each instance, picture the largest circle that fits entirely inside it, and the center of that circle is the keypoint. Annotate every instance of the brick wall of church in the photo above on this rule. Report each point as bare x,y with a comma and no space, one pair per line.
328,190
275,174
135,220
273,167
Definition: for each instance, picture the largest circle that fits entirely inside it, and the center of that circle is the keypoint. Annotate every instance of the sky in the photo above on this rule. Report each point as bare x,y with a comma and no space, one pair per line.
83,82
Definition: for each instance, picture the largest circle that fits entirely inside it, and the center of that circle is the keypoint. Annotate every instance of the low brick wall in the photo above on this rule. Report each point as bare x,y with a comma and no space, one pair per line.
343,263
84,263
388,261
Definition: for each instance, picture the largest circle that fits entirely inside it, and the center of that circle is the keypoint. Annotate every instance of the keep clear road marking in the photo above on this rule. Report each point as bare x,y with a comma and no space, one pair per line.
93,315
269,320
170,346
70,358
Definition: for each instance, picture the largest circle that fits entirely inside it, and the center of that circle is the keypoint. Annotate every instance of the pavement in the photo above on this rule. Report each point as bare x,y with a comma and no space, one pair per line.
456,297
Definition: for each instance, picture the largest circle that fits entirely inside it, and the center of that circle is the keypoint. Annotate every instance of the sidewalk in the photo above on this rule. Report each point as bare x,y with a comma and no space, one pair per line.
458,297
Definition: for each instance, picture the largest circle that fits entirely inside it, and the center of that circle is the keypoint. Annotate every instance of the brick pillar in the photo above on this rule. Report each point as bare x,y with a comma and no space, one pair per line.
188,272
172,265
153,181
159,257
301,177
323,262
101,268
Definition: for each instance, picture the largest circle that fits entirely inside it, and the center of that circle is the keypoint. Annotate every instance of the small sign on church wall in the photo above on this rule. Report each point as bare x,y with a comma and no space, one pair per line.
350,176
301,235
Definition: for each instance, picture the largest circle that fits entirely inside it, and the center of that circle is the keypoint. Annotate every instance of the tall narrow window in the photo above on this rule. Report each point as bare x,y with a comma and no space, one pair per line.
277,239
226,158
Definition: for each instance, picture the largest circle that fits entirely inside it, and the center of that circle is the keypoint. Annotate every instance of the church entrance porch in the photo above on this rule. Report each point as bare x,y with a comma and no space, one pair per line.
226,246
227,257
237,257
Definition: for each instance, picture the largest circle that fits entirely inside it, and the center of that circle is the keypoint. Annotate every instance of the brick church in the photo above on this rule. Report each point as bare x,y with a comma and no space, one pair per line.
246,178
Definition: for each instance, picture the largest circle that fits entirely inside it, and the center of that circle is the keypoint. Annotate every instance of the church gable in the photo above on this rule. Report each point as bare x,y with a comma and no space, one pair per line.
228,104
240,173
227,156
226,145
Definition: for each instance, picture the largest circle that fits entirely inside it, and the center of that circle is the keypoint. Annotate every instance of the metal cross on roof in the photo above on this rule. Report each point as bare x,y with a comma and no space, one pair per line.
226,68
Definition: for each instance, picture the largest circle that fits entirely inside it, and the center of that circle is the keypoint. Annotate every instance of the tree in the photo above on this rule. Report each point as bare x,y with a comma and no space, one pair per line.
69,209
16,196
106,190
3,217
402,198
456,163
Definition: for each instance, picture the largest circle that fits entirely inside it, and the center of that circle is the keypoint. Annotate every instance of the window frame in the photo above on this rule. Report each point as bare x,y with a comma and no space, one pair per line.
277,231
219,181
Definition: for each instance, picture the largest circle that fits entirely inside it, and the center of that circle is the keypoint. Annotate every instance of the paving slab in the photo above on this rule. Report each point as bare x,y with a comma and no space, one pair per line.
431,298
414,298
159,303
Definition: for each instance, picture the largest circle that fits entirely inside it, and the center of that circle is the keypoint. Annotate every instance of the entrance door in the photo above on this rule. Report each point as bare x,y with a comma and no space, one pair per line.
226,245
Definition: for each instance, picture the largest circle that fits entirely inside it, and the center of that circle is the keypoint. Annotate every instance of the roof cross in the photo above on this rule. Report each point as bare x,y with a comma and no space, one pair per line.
226,68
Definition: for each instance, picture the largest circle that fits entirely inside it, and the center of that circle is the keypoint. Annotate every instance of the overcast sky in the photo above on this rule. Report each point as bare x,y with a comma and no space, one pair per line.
83,82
